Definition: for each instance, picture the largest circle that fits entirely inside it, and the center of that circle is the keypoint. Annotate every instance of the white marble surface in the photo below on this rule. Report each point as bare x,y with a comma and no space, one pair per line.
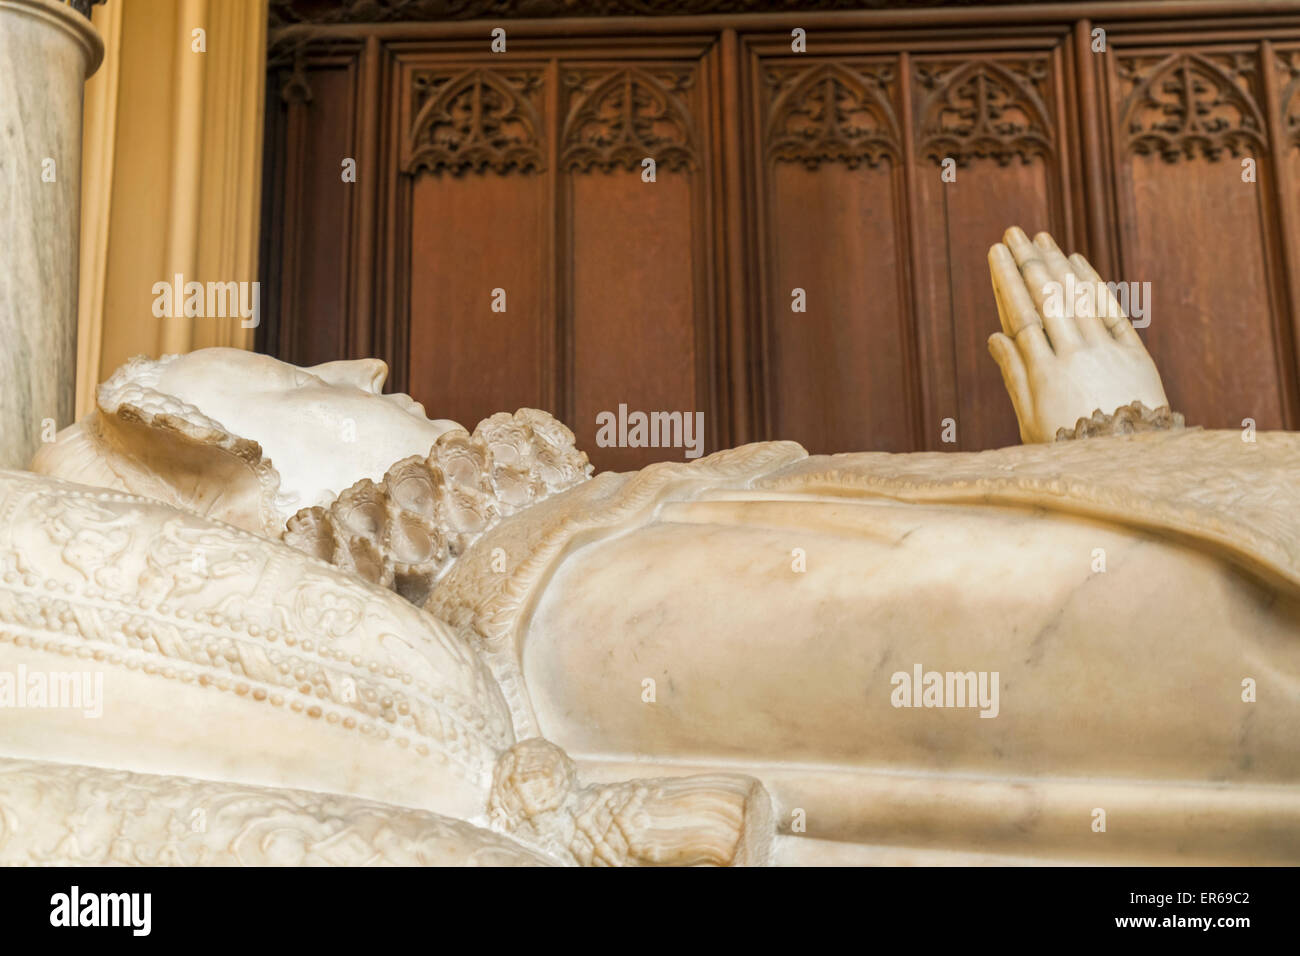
47,51
696,662
1119,690
227,656
77,815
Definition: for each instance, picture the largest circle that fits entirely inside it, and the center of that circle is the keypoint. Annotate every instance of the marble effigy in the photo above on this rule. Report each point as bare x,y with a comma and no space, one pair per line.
76,815
47,51
1084,649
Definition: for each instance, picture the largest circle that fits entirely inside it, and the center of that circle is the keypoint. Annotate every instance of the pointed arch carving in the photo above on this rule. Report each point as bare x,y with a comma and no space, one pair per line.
616,118
474,120
831,112
1186,104
987,109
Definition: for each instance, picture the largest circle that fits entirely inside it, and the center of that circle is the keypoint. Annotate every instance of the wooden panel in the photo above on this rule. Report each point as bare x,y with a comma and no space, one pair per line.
1211,324
992,117
839,371
1282,65
633,306
470,235
636,269
1197,233
316,273
473,207
819,171
960,220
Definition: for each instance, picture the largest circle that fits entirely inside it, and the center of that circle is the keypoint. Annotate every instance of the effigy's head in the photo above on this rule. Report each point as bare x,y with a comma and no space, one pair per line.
287,436
256,442
324,428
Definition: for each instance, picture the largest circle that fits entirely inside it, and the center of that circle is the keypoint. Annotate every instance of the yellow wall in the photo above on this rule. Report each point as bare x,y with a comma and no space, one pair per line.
171,175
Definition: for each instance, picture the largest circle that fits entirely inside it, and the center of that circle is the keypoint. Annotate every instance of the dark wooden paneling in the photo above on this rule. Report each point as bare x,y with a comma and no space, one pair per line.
994,118
839,371
1210,311
633,308
1198,233
970,215
819,171
471,235
315,275
634,251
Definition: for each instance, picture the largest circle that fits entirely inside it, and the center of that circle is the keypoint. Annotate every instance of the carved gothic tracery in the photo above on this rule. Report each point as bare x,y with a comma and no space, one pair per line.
988,109
474,120
1186,104
831,112
1288,66
617,118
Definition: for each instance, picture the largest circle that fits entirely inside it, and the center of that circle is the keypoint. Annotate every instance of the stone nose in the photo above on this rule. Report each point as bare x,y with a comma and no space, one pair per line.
366,374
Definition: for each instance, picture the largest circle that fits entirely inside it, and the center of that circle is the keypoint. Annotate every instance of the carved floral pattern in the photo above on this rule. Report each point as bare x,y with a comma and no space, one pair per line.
474,120
832,113
988,109
617,118
1185,104
138,586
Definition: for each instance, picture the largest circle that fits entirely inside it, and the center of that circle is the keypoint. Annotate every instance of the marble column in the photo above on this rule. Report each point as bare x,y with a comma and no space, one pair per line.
47,50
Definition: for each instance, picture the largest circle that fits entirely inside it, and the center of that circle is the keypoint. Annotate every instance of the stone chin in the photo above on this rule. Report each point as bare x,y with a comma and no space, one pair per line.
239,436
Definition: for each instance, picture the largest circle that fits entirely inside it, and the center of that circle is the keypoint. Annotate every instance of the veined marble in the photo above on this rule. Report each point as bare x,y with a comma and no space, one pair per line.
47,50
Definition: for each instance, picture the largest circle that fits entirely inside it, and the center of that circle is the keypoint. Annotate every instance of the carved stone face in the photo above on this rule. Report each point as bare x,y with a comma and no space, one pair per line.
251,441
240,436
323,428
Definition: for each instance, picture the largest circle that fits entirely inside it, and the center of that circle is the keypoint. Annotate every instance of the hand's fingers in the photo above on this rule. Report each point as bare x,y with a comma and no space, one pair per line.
1033,345
1108,307
1002,316
1060,327
1014,304
1090,326
1020,320
1014,377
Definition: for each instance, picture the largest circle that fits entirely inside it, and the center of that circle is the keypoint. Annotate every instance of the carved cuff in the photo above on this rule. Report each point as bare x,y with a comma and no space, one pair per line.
1125,420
